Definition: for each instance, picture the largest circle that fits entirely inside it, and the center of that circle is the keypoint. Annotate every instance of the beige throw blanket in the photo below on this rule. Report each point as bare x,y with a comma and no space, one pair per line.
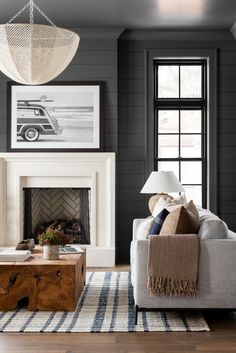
173,265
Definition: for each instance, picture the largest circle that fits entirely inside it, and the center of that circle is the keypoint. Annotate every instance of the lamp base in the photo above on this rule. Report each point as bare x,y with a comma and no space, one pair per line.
153,200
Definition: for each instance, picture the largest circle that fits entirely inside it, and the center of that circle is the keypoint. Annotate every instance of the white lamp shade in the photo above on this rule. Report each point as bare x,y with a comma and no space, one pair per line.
162,182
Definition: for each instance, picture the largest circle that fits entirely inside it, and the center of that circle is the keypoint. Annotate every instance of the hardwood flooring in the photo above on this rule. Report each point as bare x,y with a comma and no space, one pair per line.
221,339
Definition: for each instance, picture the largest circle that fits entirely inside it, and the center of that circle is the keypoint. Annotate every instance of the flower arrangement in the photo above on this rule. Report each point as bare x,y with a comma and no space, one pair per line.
53,237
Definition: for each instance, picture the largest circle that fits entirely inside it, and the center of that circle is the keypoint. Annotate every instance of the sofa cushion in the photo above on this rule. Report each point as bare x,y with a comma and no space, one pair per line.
158,222
144,228
183,220
211,226
162,203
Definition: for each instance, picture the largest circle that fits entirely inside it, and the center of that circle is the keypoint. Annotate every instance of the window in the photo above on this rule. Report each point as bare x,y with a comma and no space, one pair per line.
41,112
180,123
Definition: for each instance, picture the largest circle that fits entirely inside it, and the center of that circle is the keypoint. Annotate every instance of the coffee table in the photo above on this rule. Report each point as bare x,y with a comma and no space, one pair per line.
47,284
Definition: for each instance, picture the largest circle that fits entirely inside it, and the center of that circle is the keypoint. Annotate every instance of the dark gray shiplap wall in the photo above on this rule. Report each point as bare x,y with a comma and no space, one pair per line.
131,124
96,59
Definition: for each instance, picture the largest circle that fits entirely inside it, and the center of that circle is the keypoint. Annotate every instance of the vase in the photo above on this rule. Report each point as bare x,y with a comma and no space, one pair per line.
51,252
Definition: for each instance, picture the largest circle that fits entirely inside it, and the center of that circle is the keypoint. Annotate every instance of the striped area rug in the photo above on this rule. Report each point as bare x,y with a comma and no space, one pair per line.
106,305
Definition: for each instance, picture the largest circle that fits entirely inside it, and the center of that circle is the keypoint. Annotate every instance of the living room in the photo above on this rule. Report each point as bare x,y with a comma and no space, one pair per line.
142,87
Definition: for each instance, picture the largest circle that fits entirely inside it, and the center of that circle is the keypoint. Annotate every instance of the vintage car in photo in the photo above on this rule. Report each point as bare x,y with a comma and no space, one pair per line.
33,120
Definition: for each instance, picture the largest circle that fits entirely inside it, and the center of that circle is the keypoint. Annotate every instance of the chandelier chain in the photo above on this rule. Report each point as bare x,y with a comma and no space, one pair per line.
31,11
18,13
31,5
44,15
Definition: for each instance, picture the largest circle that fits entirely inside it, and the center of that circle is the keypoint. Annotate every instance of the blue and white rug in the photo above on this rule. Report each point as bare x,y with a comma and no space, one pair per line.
106,305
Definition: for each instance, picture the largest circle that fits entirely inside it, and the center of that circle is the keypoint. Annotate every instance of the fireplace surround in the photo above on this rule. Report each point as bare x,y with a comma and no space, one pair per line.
61,170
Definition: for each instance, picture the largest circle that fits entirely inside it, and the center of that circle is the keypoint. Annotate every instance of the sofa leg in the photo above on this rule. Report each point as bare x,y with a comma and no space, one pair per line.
136,314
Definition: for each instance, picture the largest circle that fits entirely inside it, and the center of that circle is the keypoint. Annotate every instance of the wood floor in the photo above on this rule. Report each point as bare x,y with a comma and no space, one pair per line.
221,339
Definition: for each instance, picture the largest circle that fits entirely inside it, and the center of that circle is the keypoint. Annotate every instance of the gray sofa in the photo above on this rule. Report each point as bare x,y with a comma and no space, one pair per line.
216,279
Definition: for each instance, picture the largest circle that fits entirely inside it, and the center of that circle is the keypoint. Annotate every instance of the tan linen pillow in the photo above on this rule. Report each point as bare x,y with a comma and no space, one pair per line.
183,220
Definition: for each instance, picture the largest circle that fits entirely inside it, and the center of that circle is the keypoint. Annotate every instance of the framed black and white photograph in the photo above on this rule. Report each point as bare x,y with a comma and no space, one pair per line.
61,116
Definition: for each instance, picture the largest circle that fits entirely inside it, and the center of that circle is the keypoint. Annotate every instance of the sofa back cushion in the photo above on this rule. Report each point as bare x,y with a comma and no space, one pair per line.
211,226
183,220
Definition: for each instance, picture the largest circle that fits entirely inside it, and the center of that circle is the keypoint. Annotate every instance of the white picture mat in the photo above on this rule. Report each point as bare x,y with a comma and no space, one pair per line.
65,96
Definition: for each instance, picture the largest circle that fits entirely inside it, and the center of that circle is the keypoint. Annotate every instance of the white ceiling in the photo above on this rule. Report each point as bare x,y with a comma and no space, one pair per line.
132,14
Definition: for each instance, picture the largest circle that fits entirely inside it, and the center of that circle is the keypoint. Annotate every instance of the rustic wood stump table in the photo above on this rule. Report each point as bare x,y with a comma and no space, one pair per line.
47,284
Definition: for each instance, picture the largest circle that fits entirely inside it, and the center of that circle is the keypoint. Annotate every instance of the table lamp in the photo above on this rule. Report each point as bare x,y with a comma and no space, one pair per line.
161,183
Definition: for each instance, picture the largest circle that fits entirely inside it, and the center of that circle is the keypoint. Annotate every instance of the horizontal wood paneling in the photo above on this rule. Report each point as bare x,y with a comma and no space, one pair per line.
125,132
131,154
131,127
96,59
129,113
132,86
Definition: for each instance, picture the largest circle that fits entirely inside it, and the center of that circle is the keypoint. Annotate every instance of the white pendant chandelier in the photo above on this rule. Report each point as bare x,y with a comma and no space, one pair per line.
34,54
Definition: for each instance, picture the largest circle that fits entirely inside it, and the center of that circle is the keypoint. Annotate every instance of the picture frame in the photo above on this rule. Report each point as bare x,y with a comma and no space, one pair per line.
60,116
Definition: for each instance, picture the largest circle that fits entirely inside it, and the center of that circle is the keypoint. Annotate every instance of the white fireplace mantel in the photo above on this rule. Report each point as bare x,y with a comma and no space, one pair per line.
94,170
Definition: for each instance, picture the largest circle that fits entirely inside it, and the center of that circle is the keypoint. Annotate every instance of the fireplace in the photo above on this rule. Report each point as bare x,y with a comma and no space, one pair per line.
66,209
22,173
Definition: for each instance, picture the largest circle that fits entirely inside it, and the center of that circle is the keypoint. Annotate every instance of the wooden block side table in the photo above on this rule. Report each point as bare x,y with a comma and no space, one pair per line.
48,284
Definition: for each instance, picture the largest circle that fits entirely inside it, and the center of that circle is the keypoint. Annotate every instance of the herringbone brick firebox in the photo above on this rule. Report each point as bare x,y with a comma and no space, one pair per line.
48,205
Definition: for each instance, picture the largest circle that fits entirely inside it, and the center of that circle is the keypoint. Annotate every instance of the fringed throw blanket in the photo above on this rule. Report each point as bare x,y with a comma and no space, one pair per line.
173,265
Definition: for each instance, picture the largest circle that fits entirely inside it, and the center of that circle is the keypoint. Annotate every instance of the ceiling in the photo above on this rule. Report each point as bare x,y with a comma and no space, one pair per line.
132,14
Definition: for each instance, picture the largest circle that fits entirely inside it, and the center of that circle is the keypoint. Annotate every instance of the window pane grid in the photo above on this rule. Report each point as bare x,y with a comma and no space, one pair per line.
180,128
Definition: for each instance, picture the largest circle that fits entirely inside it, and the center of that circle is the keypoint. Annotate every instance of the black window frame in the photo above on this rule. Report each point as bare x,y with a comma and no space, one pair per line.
176,52
181,104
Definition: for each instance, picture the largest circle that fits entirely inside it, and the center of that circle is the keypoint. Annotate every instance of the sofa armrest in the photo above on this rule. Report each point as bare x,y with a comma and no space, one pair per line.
216,280
138,260
136,223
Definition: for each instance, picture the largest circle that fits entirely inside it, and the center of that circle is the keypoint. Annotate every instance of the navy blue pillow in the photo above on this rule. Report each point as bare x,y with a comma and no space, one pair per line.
158,222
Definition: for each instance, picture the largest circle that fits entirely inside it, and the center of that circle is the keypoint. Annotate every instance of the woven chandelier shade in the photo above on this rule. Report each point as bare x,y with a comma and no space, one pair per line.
34,54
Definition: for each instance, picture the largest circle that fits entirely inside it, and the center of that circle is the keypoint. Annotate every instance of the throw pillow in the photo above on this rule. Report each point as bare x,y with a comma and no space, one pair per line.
144,227
155,198
158,222
180,199
183,220
164,203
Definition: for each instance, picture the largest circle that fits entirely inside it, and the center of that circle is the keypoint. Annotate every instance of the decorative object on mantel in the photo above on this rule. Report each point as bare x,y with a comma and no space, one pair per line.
161,182
59,117
34,54
50,240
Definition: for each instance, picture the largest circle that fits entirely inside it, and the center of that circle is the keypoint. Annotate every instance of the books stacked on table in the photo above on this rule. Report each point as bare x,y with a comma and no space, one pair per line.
70,249
10,254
